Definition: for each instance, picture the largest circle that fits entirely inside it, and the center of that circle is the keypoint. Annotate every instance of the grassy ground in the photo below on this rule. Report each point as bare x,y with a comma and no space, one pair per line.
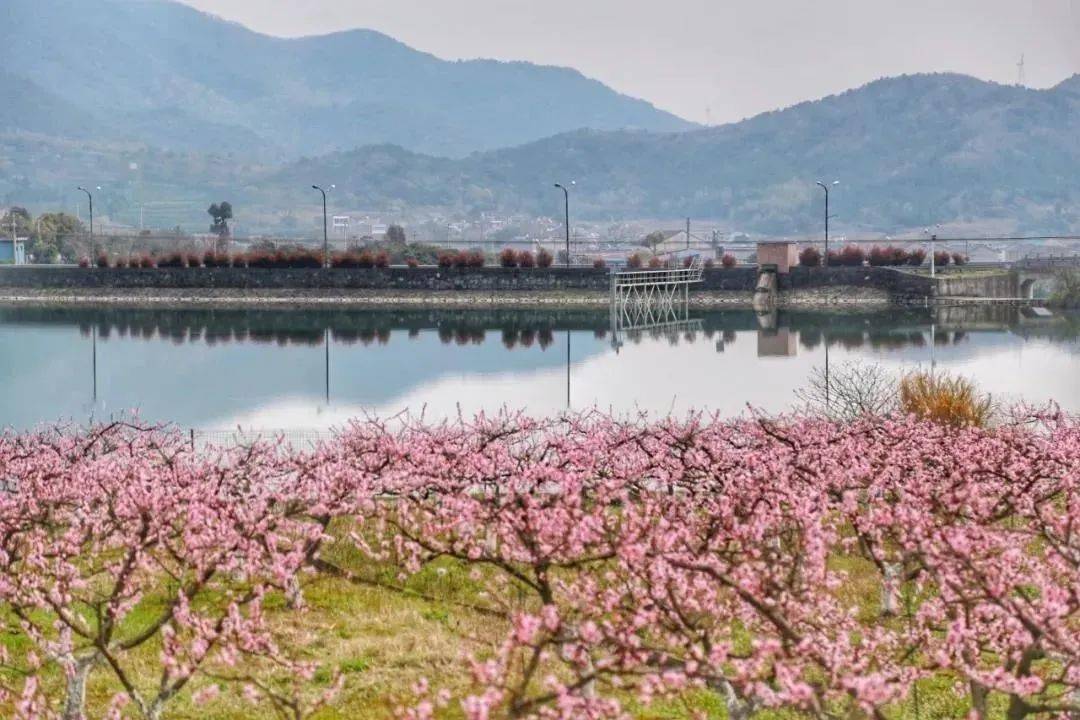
383,641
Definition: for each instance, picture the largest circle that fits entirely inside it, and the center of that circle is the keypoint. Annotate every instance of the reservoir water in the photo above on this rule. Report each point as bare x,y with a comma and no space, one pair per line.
299,371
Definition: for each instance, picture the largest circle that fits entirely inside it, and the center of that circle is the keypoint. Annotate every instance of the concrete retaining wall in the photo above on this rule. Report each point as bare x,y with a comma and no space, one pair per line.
1003,285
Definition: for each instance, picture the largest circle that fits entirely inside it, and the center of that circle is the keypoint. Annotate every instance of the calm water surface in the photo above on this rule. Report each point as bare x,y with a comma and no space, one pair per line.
293,370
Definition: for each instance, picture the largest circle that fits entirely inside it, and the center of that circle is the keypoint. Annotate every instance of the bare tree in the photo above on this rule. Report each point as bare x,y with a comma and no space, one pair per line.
848,391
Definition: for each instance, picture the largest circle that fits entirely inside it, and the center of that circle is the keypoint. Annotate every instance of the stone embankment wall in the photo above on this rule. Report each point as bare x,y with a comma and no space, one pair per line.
394,278
897,283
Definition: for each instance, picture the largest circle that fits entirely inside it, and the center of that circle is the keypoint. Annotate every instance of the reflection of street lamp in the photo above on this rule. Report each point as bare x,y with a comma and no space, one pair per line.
568,370
826,189
566,197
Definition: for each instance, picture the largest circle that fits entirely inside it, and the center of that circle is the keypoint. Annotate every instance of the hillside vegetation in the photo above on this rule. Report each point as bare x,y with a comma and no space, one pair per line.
161,73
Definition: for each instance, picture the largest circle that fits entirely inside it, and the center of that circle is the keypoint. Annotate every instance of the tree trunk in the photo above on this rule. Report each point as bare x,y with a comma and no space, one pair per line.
890,590
978,699
75,701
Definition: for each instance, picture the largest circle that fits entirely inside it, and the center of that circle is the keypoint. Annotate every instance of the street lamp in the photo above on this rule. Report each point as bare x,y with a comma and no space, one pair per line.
91,198
825,187
566,196
325,236
933,259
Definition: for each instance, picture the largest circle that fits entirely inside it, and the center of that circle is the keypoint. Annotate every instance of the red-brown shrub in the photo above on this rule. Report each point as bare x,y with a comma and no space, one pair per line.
412,262
146,262
655,263
475,259
728,261
84,262
102,260
260,260
810,257
917,257
599,264
446,259
365,259
508,258
852,256
193,260
959,259
382,259
634,262
942,258
526,259
544,259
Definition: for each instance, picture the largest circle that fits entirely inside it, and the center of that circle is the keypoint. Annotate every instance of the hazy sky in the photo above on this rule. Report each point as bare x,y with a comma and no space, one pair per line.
737,57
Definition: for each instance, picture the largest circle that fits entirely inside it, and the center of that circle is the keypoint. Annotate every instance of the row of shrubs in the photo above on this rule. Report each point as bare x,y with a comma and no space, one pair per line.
314,259
889,256
510,258
210,259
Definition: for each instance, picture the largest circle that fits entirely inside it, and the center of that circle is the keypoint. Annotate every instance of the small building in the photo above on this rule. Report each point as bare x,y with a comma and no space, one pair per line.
12,252
783,254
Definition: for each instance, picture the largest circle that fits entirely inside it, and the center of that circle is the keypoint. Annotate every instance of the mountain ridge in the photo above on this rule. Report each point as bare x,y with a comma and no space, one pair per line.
114,59
911,150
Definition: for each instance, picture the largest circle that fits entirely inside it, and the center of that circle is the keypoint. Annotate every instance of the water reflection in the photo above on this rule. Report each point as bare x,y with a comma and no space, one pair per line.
214,368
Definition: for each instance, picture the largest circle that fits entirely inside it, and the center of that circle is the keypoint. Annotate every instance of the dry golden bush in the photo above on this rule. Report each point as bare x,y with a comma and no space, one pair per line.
945,399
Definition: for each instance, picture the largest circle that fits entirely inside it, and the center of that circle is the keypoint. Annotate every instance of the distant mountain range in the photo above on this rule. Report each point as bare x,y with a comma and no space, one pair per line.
159,103
162,73
909,151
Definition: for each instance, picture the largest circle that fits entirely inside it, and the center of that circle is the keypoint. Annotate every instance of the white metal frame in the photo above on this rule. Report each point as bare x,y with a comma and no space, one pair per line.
646,300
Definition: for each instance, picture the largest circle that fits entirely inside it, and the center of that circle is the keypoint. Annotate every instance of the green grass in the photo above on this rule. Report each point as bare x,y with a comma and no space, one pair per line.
382,641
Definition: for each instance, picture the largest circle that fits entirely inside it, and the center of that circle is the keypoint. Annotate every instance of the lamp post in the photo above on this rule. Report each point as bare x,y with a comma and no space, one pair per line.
325,236
566,197
933,241
825,187
90,196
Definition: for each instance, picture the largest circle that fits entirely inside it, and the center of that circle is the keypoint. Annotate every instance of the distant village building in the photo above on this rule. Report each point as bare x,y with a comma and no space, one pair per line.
673,240
12,252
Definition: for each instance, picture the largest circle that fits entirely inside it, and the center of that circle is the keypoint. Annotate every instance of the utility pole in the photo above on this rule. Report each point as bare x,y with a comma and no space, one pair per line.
687,233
